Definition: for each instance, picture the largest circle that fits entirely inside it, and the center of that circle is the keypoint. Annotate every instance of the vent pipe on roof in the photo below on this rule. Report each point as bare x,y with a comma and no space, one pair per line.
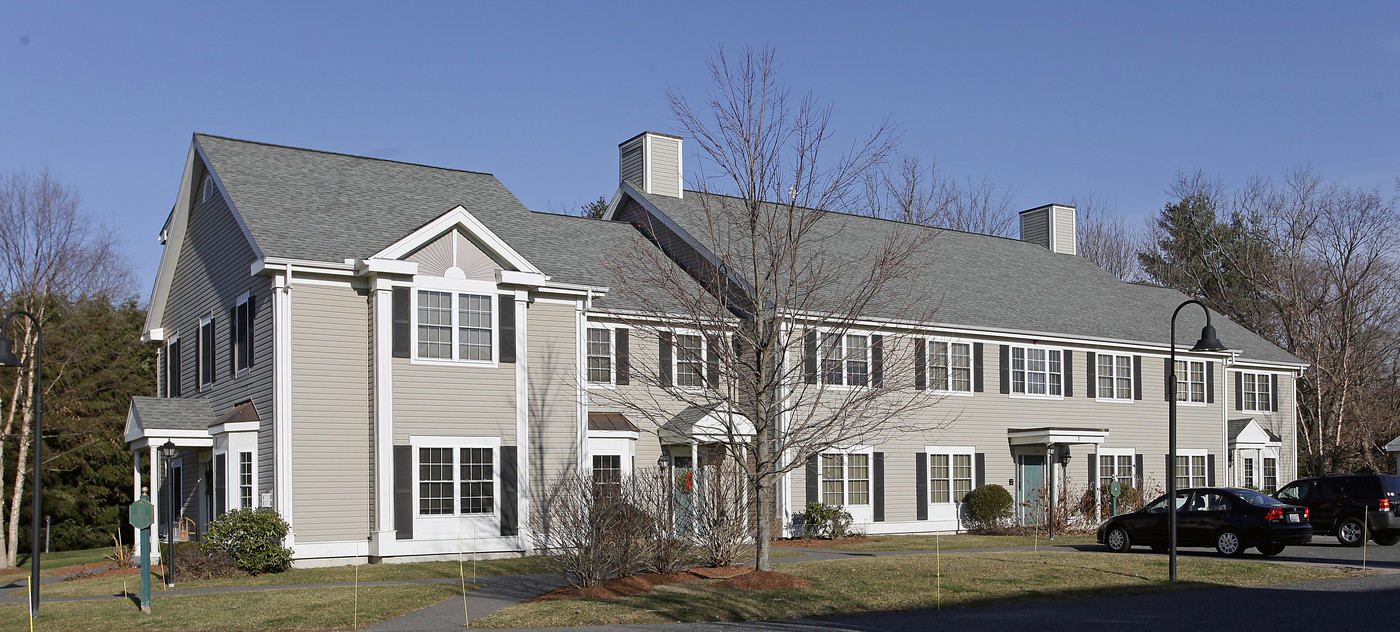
652,163
1052,226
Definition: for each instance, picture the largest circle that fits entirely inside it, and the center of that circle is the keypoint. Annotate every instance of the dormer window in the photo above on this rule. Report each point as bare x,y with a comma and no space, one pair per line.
455,326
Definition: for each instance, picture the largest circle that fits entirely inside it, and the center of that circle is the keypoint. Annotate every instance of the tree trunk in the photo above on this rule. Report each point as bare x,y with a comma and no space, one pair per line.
764,536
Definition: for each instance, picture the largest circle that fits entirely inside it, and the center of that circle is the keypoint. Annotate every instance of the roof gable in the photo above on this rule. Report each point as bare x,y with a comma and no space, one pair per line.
458,221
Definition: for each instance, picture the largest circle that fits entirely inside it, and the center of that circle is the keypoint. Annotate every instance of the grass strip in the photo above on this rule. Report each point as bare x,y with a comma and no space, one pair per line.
905,582
298,609
954,542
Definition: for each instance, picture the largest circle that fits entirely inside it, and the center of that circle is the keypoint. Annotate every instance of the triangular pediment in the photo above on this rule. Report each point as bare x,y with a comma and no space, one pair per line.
455,255
457,243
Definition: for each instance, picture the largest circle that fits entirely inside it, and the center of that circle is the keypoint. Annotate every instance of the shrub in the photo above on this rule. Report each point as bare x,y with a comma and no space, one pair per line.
252,538
825,521
721,515
590,532
192,563
987,507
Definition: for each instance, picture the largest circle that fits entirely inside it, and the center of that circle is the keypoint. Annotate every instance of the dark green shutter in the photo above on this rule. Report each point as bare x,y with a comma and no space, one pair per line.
877,485
1005,369
622,367
1067,372
510,485
1091,371
711,366
980,459
809,356
1239,391
403,492
812,479
1137,471
921,485
1210,470
1273,393
663,352
1168,379
233,340
1137,377
920,364
877,361
977,367
1094,471
507,327
1210,382
403,323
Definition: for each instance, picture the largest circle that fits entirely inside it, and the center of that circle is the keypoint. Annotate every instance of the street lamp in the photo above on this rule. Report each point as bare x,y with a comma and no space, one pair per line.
167,453
8,358
662,466
1208,342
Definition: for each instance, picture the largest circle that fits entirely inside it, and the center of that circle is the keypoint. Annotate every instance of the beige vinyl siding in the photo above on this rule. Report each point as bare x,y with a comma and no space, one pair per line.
554,410
665,166
331,424
453,401
211,273
1035,227
1064,230
1281,422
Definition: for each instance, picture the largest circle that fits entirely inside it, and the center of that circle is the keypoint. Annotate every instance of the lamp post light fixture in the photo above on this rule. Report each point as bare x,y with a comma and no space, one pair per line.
167,454
1208,342
8,358
663,465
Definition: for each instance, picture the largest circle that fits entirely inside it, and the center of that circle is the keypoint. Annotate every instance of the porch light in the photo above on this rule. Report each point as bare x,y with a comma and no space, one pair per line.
1208,342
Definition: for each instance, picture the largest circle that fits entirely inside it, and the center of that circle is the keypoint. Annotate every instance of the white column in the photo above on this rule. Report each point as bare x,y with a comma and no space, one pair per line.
135,475
522,417
383,340
282,400
155,496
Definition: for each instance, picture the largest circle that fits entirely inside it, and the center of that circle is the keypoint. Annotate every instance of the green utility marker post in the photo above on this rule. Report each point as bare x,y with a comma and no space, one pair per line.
1116,490
141,515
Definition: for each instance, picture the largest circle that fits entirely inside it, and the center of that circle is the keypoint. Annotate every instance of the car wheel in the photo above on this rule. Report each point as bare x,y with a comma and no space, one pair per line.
1387,539
1350,532
1118,540
1271,549
1228,543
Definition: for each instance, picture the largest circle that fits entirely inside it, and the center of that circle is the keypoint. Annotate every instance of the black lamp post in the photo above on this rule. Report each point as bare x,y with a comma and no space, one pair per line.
167,453
663,465
1208,342
8,358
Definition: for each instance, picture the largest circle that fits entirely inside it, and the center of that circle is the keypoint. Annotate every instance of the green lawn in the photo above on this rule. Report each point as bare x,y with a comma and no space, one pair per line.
51,563
954,580
953,542
302,609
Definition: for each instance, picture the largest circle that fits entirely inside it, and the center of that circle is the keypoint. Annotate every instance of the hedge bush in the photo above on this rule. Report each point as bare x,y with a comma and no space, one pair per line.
252,537
826,521
988,507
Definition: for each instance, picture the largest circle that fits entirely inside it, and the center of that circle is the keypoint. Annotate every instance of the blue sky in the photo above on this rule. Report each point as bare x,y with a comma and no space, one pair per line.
1055,101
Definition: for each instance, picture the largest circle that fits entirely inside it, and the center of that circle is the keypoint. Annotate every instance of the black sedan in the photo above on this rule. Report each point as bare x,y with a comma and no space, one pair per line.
1229,519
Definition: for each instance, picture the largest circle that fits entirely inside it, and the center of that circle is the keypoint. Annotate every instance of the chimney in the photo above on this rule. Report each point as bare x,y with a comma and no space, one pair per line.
1051,226
652,163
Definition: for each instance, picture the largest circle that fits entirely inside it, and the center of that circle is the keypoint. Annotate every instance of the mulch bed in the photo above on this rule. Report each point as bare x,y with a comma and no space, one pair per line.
104,569
739,577
822,544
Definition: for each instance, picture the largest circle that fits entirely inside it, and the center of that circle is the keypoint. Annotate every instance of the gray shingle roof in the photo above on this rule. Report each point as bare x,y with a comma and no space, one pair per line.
982,282
162,413
305,204
1236,426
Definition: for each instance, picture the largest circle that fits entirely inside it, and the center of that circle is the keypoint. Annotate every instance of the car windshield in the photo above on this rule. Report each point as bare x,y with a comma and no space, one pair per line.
1255,498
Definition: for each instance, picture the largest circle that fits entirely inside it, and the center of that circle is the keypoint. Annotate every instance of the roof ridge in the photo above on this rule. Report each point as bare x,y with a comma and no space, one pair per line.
343,154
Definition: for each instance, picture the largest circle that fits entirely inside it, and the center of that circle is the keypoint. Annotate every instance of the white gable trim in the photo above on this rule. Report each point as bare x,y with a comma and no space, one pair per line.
457,217
173,236
1253,436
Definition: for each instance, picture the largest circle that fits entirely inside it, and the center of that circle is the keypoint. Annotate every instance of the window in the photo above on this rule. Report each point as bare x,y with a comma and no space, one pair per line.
845,479
172,368
690,360
1115,377
1036,371
1191,381
241,335
607,475
455,326
1248,471
845,359
245,480
1254,392
1270,473
447,475
1115,467
206,352
950,475
599,355
1190,470
950,365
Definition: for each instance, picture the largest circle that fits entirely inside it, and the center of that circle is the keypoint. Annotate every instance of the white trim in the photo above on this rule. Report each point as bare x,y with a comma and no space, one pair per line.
676,360
458,216
1268,381
1025,393
971,366
1113,397
340,548
614,434
456,288
431,527
863,513
522,417
1048,436
154,335
282,400
843,332
581,377
375,266
611,328
949,510
1205,465
234,426
383,411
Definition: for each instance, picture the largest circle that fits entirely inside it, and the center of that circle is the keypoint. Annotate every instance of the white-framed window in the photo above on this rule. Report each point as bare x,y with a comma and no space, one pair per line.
173,388
845,359
600,355
845,477
1190,468
455,476
1270,474
607,475
1037,372
1114,376
241,334
456,323
688,357
205,357
950,474
950,366
1255,392
1191,381
1116,465
245,480
1247,469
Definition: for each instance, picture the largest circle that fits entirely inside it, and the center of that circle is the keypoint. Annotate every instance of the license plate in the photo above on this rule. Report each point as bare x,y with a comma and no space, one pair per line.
1293,517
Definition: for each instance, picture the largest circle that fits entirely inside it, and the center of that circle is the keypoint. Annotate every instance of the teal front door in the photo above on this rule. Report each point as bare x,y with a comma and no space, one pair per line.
1030,489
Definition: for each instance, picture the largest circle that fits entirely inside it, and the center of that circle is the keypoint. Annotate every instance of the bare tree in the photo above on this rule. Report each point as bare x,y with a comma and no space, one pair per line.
760,334
52,252
906,190
1105,239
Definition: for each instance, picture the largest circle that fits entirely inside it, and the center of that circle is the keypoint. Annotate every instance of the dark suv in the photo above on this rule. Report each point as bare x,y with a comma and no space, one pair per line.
1338,504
